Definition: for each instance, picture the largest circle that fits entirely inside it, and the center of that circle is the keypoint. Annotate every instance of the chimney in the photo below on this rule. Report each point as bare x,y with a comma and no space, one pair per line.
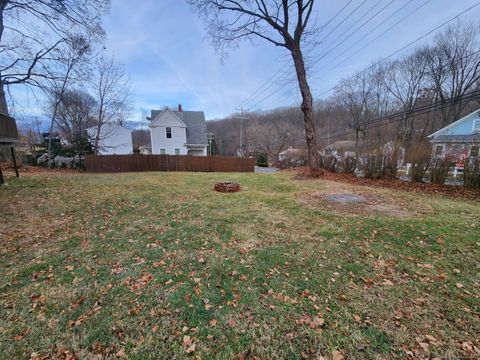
180,107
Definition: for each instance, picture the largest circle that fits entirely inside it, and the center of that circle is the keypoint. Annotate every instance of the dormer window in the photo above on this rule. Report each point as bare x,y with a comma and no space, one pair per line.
476,126
168,132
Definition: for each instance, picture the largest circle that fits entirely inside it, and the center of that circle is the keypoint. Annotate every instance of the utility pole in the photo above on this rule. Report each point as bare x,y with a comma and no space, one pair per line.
241,117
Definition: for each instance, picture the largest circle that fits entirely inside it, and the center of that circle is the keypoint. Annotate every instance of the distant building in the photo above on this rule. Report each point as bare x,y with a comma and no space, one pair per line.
290,153
178,132
113,140
55,137
458,141
342,148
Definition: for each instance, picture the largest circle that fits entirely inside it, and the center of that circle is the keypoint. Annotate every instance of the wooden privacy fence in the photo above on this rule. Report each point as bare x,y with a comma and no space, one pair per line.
135,163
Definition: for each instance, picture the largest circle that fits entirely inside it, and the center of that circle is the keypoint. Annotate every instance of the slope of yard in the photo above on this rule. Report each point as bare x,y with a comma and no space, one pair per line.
157,265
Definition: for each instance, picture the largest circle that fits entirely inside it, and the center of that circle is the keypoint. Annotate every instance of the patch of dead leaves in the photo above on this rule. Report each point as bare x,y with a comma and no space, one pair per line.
313,322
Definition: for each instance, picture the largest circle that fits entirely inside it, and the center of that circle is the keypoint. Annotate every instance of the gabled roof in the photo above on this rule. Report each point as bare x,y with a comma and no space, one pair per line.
472,138
196,126
157,114
470,116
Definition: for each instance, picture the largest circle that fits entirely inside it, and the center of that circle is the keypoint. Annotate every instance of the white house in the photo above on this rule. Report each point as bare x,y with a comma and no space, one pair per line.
178,132
114,139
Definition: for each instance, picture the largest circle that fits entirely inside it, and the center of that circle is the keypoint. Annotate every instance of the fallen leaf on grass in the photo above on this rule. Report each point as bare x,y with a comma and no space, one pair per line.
425,266
75,304
470,348
36,356
289,337
440,241
316,322
188,345
387,282
337,355
213,322
22,334
159,264
116,269
141,282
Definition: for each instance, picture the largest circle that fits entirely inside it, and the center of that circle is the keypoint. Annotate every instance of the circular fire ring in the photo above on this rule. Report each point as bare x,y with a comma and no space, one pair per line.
227,187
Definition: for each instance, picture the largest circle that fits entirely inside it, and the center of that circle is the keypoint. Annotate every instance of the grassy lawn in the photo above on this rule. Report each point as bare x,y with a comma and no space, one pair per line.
157,265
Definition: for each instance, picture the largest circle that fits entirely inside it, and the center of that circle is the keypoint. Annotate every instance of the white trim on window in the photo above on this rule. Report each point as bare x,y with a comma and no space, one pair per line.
441,148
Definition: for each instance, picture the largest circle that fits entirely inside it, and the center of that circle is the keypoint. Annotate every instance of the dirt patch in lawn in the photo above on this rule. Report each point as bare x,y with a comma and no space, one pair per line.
346,199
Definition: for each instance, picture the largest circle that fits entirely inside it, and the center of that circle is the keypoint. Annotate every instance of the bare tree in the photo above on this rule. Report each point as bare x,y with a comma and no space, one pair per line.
355,94
113,93
31,31
453,67
141,138
281,23
266,137
69,61
407,81
75,114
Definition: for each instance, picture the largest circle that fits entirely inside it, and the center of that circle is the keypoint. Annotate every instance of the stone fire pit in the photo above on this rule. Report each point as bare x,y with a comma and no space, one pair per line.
227,187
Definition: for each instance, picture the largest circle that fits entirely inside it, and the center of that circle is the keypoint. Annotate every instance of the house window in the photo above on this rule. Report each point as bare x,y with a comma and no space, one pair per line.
476,126
474,151
177,151
168,132
162,151
438,150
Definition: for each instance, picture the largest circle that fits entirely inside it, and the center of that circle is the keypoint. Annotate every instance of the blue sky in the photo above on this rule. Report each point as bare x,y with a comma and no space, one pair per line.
163,46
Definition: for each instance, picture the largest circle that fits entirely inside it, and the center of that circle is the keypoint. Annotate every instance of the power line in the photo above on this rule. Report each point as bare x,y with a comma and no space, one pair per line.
355,31
397,117
414,41
269,81
331,49
379,36
397,51
422,107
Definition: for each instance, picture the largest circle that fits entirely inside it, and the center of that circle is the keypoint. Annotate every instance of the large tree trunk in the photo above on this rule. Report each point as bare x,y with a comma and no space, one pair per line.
307,108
